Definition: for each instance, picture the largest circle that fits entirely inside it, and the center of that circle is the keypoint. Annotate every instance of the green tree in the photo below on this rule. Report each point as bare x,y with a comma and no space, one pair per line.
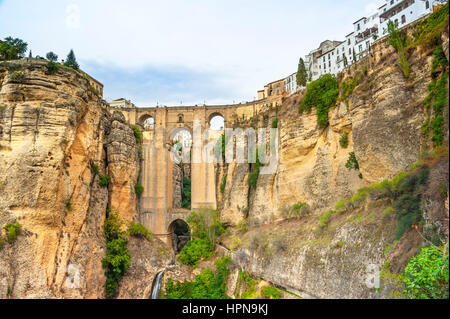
345,61
71,61
31,54
302,76
354,55
12,49
52,57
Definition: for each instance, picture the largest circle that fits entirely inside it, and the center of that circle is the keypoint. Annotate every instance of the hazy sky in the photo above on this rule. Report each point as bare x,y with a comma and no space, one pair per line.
194,51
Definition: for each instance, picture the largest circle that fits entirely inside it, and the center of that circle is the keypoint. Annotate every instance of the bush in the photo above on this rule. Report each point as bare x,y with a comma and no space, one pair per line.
69,206
137,134
12,231
275,123
299,210
429,30
52,67
94,169
343,141
117,260
207,285
352,162
242,226
426,275
322,94
270,292
139,189
223,184
18,76
206,225
398,40
194,251
94,90
139,230
324,219
347,88
104,181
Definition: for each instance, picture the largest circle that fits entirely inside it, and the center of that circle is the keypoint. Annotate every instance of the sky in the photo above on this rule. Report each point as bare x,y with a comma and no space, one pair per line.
182,52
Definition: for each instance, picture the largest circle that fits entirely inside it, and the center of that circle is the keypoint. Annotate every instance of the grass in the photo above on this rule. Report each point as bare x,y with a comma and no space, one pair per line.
429,31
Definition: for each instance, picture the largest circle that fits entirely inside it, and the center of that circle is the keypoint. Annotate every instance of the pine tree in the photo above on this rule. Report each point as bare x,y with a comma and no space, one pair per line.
31,54
345,61
71,61
354,55
302,76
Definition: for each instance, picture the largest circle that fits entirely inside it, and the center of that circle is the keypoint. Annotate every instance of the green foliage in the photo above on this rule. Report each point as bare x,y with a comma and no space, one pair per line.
139,230
348,86
71,61
12,49
69,206
253,176
207,285
117,260
206,224
426,275
94,168
194,251
139,189
322,94
439,59
186,203
343,141
52,67
223,184
12,231
270,292
302,76
407,208
437,124
443,190
398,40
18,76
94,90
250,284
275,123
428,32
300,210
104,181
352,162
137,134
242,226
52,57
324,219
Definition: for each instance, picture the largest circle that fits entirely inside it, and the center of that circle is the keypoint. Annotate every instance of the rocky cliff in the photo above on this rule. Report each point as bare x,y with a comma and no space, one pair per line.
383,118
57,140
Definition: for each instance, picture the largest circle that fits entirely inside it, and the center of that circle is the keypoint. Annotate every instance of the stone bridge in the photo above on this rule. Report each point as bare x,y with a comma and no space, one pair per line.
160,125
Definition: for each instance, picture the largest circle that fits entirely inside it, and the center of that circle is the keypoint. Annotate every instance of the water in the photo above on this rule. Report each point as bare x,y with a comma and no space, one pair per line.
156,289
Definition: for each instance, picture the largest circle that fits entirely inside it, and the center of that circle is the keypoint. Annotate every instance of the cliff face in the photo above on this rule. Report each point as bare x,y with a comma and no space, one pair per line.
383,118
56,139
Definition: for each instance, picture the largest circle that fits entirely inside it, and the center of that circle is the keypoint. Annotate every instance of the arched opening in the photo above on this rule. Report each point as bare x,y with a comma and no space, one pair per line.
217,122
181,142
147,122
180,234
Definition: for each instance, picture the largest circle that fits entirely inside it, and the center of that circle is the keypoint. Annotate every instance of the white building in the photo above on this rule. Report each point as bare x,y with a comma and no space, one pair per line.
334,56
403,12
121,103
291,83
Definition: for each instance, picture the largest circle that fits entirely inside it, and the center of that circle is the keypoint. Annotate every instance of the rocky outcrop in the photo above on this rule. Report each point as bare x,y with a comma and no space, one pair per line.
56,139
123,167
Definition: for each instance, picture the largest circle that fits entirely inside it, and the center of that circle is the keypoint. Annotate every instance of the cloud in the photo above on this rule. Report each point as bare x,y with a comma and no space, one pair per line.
220,50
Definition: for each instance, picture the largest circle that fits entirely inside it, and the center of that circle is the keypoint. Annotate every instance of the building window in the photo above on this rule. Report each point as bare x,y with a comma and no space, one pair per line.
359,27
403,19
360,48
427,5
180,118
349,41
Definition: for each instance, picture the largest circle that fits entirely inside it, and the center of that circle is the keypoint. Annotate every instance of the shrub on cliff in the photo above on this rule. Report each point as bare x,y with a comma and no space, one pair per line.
117,260
104,181
270,292
12,231
137,134
426,275
140,231
194,251
343,141
139,189
322,94
429,30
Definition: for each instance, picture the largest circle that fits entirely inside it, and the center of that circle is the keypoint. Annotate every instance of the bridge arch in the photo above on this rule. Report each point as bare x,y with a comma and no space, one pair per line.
147,121
179,234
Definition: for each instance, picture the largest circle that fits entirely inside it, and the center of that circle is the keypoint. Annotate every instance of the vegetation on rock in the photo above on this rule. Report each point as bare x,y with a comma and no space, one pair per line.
139,230
322,94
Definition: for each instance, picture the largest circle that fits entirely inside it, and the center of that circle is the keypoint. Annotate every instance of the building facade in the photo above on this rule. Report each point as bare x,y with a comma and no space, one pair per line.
334,56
